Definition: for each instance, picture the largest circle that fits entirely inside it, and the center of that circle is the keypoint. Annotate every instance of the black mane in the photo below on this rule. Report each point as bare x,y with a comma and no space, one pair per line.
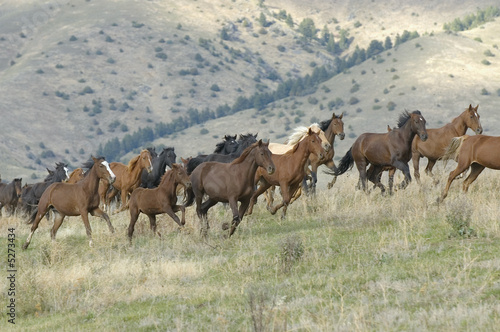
405,116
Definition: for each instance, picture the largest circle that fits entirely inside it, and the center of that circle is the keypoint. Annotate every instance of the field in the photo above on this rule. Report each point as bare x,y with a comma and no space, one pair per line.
343,261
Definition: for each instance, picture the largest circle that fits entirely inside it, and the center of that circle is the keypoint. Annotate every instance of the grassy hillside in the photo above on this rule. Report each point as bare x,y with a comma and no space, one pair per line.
77,74
344,261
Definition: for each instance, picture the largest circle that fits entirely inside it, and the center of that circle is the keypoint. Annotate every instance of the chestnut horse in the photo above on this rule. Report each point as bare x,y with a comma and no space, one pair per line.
128,177
439,139
76,175
161,199
9,195
73,199
388,149
476,152
290,170
230,183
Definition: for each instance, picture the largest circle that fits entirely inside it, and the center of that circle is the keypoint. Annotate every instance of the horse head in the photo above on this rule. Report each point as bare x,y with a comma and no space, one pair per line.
103,170
418,125
227,146
472,119
337,125
264,156
145,160
168,155
18,186
181,176
315,144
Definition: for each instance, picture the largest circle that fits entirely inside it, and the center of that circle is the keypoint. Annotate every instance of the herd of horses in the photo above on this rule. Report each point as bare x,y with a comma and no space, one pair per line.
241,169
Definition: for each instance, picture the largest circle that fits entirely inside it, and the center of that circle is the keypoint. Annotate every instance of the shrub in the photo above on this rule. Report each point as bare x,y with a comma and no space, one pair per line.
486,62
459,215
73,38
391,106
353,101
291,251
488,53
281,48
215,87
203,131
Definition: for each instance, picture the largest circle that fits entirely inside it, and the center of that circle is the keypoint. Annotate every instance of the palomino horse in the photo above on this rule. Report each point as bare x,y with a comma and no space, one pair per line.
476,152
228,145
298,134
73,199
290,170
161,199
229,183
128,177
160,162
388,149
439,139
9,195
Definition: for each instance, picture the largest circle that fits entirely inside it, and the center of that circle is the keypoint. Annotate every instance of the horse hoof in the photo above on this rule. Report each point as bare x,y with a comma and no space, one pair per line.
25,246
225,226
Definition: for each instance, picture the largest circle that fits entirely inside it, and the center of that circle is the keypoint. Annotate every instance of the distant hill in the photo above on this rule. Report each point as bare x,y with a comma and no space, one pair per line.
76,75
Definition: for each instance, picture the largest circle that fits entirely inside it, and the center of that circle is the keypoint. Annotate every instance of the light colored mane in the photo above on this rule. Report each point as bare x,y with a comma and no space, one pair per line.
301,132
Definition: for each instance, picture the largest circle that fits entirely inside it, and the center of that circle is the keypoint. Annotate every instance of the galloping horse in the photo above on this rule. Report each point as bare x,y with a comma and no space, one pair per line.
290,170
388,149
439,139
298,134
161,199
73,199
476,152
9,195
227,146
243,142
230,183
331,128
128,177
166,158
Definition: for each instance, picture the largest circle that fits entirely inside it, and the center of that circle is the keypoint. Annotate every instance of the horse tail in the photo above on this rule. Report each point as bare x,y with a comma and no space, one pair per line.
33,215
453,150
193,163
189,197
345,164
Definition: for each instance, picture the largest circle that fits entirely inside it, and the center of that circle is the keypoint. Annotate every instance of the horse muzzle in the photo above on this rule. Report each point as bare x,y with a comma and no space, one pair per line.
342,136
321,156
187,184
326,146
111,179
270,170
423,137
479,130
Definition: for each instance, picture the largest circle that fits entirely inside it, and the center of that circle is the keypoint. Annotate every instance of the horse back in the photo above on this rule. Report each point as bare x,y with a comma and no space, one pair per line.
375,147
435,145
482,149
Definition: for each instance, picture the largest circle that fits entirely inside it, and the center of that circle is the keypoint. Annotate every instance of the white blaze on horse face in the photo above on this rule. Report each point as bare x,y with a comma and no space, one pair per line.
67,174
105,163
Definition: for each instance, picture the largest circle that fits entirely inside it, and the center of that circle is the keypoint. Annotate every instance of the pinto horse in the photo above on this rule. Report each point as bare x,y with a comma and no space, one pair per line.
230,183
73,199
9,195
161,199
290,170
476,152
439,139
128,177
382,150
166,158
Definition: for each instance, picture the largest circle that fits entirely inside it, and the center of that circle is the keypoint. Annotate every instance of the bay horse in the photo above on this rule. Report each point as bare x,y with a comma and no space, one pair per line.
160,161
331,127
290,170
228,145
128,177
73,199
388,149
476,152
439,139
9,195
229,183
162,199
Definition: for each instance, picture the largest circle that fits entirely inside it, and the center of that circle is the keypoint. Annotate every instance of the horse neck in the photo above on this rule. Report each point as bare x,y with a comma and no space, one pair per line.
160,167
91,181
407,133
330,135
135,171
248,166
459,125
300,156
167,185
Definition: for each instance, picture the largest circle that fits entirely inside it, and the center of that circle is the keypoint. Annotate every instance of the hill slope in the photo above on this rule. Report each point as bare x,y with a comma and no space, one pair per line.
76,75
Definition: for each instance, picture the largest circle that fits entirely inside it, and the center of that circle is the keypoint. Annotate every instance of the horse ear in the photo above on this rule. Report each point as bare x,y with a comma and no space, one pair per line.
341,115
310,131
259,143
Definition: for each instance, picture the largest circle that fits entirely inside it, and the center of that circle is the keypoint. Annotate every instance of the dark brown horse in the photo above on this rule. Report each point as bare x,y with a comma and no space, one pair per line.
476,152
9,195
128,177
229,183
388,149
74,199
290,171
439,139
162,199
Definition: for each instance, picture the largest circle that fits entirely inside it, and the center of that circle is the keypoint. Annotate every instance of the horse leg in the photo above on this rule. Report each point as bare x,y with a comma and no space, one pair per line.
392,171
171,212
85,219
428,170
58,220
475,170
296,195
39,215
134,215
314,175
403,167
264,185
462,166
100,213
152,222
415,157
269,195
233,204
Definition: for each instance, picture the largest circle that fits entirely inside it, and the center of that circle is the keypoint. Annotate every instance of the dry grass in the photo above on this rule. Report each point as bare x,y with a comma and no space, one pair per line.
366,262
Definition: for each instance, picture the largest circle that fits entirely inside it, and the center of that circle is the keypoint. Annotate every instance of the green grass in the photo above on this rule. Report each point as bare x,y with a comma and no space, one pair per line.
369,262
